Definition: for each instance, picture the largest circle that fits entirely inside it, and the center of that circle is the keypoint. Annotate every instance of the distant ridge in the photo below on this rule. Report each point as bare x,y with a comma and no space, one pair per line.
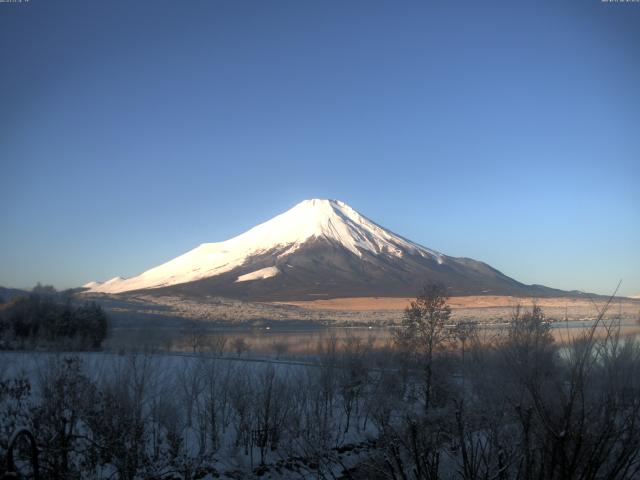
7,294
318,249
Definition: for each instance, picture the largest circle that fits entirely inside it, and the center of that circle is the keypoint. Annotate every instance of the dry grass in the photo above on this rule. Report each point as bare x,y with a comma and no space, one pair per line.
370,310
365,304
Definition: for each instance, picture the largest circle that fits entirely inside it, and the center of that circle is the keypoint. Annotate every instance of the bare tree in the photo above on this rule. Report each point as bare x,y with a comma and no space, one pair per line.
464,332
69,397
191,384
423,330
195,336
353,375
280,348
241,397
240,345
217,344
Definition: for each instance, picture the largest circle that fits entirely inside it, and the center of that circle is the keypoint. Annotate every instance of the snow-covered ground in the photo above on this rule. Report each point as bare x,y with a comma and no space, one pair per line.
219,405
261,274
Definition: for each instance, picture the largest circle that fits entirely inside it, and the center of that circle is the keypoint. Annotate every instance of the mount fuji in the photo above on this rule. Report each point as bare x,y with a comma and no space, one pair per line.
317,249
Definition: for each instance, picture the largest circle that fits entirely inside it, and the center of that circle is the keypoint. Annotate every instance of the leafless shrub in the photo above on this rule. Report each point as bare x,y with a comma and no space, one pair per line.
216,344
240,345
280,348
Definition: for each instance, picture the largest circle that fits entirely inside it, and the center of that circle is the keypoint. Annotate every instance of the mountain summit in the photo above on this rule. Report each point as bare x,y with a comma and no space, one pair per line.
317,249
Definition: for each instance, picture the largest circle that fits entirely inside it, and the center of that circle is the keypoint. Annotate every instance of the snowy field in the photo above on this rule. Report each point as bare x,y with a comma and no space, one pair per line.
349,411
200,417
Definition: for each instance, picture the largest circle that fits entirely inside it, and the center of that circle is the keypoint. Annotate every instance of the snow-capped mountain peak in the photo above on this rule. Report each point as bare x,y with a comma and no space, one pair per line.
330,220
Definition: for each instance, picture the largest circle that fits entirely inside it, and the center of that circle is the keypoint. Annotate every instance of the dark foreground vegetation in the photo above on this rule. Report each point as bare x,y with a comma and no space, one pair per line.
45,318
444,403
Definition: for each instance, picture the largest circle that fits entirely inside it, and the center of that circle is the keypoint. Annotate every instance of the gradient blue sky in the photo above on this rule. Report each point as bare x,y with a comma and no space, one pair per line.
132,131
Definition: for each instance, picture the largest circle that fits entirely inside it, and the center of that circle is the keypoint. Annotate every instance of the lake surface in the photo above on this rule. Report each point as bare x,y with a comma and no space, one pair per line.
308,341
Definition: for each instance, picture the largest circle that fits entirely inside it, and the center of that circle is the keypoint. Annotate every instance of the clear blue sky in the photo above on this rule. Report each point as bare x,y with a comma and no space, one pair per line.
132,131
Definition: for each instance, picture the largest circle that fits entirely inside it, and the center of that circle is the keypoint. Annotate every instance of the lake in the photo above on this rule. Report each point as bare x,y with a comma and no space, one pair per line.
307,341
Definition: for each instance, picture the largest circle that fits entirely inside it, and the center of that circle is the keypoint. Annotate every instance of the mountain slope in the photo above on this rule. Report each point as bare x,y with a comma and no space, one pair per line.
317,249
7,294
